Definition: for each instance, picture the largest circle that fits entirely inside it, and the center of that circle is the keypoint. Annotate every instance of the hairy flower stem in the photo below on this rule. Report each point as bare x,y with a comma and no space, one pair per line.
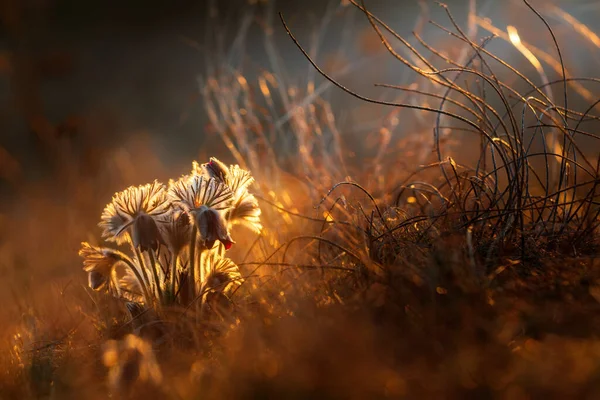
200,300
192,266
131,266
115,281
155,274
173,276
142,263
201,269
221,249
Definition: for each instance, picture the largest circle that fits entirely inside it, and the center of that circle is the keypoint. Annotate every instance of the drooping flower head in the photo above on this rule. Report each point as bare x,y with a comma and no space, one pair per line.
244,209
133,213
98,263
204,200
212,169
223,274
176,230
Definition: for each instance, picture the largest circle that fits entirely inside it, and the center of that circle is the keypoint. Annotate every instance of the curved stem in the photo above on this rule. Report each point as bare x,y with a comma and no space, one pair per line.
202,268
131,266
141,264
173,275
192,266
115,281
221,249
155,274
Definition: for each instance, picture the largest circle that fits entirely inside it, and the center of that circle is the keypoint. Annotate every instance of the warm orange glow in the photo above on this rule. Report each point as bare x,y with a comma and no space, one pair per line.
486,24
415,245
580,28
513,35
516,41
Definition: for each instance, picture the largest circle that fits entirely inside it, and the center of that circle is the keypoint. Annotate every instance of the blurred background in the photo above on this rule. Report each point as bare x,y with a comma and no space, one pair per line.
97,95
123,69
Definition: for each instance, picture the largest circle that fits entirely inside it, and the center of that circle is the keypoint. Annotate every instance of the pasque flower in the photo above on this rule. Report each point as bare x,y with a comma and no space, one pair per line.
98,263
212,169
244,208
222,275
176,230
205,200
172,231
133,214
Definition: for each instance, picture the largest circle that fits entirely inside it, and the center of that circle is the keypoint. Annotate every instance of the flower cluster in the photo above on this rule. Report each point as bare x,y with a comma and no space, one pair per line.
178,234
